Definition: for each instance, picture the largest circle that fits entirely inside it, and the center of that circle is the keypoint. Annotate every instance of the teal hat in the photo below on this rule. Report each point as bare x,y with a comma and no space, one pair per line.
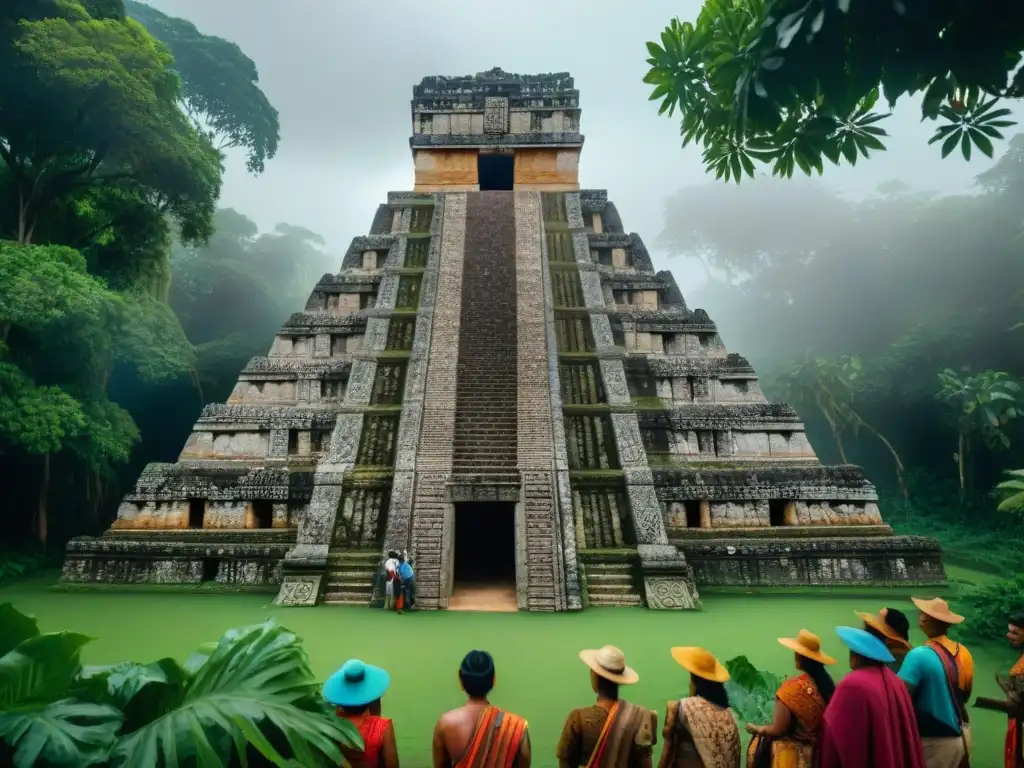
356,684
865,644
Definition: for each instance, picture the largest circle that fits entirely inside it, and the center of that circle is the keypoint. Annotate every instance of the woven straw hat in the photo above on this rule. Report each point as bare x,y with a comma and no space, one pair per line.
701,663
938,609
879,624
808,645
610,663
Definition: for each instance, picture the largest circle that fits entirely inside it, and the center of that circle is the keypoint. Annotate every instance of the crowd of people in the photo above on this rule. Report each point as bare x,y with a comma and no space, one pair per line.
898,707
399,581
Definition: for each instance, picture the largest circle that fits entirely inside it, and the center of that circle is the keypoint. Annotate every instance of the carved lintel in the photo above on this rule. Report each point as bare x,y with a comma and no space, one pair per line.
299,591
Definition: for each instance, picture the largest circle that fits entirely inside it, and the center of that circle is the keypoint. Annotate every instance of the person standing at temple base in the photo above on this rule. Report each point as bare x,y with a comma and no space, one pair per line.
408,578
940,678
892,627
478,734
611,733
391,581
356,690
789,740
869,723
700,730
1013,705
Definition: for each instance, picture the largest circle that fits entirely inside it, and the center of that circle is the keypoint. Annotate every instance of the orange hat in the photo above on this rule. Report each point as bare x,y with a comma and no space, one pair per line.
879,624
807,644
938,609
701,663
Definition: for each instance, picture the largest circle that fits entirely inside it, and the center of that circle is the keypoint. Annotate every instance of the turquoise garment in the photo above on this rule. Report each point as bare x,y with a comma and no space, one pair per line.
932,699
405,571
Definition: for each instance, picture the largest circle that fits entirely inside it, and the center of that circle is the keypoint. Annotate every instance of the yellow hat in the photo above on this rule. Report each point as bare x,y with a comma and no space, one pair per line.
610,663
938,609
701,663
807,644
879,624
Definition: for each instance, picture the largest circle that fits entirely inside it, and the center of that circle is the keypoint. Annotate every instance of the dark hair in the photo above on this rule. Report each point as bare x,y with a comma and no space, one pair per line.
875,633
477,673
607,689
352,711
712,691
822,679
393,554
1017,618
897,621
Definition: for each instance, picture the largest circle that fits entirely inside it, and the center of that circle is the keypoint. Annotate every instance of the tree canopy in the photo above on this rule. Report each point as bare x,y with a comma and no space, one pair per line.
220,86
793,83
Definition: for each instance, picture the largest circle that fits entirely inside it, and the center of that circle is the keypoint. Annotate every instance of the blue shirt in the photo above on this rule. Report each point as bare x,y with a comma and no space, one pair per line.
923,669
404,571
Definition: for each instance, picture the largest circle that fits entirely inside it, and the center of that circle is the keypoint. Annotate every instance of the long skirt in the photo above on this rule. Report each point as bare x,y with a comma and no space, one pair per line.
389,594
781,753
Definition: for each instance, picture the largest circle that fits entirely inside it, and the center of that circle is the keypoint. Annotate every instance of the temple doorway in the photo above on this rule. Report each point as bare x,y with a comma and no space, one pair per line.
496,172
484,557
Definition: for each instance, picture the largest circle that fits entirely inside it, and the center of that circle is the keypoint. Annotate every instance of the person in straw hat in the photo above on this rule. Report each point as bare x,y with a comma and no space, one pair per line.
869,723
789,740
700,730
940,678
1013,688
612,733
356,690
892,627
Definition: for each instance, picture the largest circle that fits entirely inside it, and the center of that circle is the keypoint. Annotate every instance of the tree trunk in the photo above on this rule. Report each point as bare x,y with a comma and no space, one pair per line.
960,447
42,511
900,470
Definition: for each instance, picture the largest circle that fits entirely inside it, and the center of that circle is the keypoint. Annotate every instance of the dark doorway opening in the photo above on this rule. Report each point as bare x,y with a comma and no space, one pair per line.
196,512
776,512
692,514
263,514
496,171
210,567
485,543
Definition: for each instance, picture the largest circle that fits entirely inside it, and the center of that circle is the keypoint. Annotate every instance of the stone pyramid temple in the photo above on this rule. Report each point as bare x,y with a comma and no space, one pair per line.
499,382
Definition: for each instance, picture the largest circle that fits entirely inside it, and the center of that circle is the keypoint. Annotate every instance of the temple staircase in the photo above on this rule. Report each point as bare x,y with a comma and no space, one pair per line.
612,580
486,394
350,576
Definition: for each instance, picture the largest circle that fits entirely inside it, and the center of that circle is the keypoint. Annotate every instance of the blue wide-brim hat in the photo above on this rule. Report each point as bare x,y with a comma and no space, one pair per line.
865,644
356,684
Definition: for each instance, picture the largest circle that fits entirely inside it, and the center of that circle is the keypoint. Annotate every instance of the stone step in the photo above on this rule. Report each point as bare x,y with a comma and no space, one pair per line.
608,568
601,601
347,597
610,589
603,577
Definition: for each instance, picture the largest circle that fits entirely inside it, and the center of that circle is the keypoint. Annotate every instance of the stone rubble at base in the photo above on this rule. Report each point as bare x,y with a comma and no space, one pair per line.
641,457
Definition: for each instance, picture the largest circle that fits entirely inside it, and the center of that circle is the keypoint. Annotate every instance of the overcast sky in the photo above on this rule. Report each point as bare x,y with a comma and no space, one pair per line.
341,74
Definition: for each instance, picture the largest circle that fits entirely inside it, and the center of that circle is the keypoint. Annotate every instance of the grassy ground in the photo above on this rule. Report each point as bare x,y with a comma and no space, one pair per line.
539,675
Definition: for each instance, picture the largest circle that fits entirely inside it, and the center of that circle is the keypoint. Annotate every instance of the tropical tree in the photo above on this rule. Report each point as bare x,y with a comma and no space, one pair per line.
220,86
1012,491
831,387
982,404
250,693
93,102
793,83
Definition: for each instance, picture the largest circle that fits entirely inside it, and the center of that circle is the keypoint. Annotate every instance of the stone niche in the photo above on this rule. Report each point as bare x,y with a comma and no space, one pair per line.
697,389
249,391
347,303
343,345
305,442
547,170
168,515
638,299
292,347
681,516
618,258
450,170
237,444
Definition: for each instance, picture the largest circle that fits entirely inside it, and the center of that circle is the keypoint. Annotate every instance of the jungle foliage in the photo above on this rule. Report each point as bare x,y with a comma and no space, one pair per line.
250,695
794,83
126,296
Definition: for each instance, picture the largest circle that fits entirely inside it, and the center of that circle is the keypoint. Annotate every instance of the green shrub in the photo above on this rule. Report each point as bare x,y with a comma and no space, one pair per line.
986,608
252,694
751,691
17,563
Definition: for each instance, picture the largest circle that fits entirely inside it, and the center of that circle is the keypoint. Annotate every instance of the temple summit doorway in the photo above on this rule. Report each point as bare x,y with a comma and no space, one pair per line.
484,557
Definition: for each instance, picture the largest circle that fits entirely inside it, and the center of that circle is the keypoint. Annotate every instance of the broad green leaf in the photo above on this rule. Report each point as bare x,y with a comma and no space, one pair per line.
15,627
950,143
65,732
965,145
41,667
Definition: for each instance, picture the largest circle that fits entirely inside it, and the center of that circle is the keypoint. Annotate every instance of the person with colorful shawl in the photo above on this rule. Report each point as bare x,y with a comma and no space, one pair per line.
869,723
940,678
356,690
1013,705
478,734
789,740
612,733
892,627
700,730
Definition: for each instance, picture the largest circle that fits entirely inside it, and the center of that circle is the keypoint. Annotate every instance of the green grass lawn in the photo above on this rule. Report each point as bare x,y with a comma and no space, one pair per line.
539,675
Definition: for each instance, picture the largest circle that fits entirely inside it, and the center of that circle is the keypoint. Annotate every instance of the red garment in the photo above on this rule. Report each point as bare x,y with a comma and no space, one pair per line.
869,723
372,728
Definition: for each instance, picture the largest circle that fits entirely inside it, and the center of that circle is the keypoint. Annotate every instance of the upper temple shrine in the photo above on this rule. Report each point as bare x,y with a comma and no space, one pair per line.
498,381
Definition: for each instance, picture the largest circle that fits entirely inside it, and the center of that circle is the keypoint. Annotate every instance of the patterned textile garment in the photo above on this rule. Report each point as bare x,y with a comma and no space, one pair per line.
372,728
699,734
623,737
796,749
1014,749
496,741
